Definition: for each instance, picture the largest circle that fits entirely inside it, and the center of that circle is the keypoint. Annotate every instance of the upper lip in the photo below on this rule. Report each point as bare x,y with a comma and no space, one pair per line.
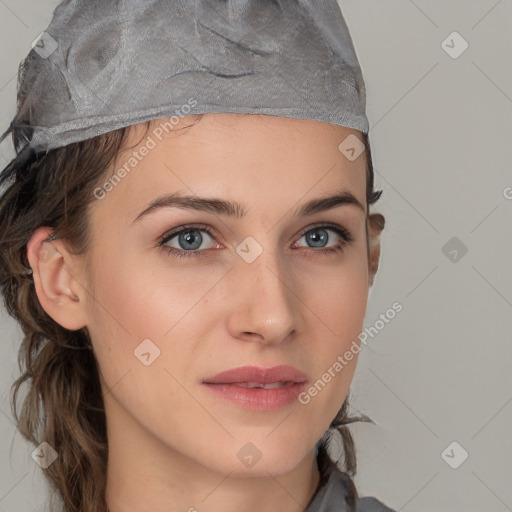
258,374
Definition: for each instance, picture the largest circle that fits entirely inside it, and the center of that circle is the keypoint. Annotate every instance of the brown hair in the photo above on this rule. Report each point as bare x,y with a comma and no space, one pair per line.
63,404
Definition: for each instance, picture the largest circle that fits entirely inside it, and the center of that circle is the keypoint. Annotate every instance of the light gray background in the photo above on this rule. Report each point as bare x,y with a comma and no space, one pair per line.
440,370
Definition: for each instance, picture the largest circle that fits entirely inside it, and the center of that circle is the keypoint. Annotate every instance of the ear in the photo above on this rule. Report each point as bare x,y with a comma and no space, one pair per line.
59,293
376,223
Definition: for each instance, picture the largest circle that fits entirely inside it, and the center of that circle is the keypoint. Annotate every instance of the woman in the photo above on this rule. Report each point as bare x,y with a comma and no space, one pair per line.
188,246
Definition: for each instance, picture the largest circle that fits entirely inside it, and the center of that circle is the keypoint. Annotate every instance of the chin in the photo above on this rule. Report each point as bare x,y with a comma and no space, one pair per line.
275,466
259,458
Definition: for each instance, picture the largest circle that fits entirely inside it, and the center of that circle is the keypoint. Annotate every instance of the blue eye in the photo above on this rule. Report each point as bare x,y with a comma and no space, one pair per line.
319,237
189,239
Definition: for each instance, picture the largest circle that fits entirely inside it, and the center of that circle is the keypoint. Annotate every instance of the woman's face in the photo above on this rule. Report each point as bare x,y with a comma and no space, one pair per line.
267,287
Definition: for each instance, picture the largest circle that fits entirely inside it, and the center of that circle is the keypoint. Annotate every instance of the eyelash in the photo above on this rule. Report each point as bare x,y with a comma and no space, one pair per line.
345,235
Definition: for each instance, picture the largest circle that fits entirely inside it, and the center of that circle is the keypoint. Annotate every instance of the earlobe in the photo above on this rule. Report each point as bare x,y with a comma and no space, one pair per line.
59,293
376,223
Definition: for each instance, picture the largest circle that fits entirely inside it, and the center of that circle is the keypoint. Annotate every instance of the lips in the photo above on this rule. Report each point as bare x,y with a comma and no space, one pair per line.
256,388
254,376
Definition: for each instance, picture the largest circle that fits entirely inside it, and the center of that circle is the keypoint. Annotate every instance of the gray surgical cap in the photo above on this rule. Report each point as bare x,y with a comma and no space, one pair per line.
106,64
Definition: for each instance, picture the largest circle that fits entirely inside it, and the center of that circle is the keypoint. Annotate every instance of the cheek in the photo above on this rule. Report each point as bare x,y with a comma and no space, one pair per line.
134,301
336,310
138,297
338,295
136,315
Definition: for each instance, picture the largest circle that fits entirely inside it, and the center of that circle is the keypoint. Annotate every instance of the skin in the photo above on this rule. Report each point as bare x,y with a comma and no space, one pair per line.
170,440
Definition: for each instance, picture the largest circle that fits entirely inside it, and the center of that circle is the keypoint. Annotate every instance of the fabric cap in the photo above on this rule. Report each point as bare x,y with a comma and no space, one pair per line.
105,64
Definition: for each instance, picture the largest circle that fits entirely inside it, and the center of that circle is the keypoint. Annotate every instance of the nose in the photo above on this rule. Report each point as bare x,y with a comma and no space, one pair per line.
264,306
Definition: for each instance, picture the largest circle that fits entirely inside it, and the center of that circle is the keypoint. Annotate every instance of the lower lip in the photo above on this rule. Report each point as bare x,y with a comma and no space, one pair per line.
258,399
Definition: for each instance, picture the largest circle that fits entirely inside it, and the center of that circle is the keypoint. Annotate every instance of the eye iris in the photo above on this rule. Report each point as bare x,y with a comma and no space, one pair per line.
190,238
318,239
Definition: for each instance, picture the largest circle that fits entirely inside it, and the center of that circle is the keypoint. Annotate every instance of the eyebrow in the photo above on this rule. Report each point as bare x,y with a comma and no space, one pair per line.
236,210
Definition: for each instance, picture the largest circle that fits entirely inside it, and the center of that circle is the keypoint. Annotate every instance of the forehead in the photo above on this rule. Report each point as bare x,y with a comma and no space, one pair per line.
212,128
243,157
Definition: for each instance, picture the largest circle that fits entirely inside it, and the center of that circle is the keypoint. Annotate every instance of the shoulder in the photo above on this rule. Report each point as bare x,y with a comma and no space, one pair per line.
332,497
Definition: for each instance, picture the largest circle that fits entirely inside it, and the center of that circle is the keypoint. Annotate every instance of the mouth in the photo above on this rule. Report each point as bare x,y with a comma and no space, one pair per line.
256,388
271,385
